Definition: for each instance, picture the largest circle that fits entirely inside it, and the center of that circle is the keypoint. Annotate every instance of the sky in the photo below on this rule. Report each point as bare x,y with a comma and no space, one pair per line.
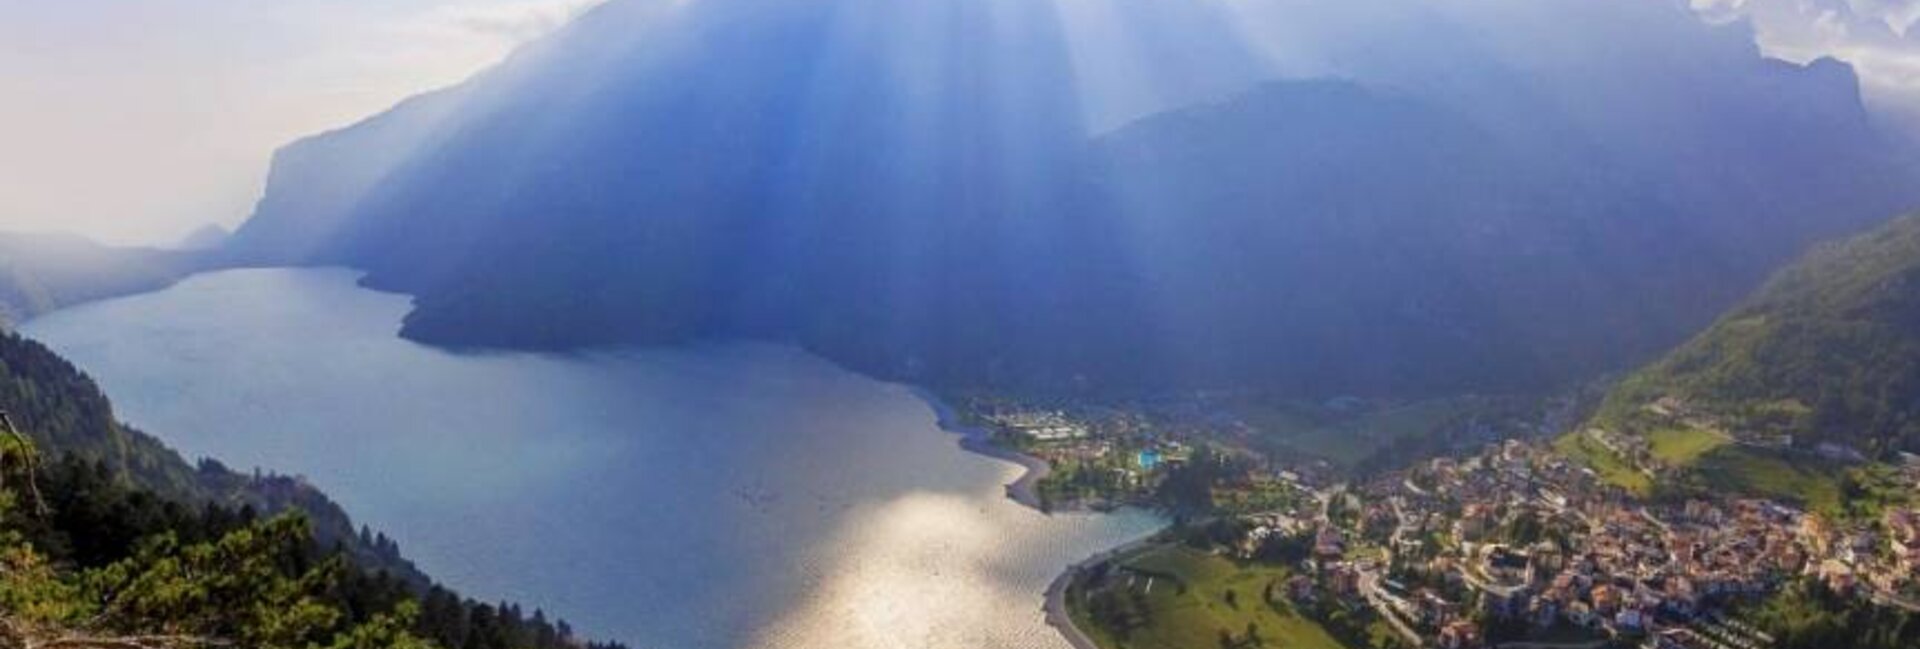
137,122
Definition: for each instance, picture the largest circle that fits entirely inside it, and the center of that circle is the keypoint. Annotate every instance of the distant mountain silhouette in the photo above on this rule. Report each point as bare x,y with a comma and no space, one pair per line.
43,272
912,189
207,237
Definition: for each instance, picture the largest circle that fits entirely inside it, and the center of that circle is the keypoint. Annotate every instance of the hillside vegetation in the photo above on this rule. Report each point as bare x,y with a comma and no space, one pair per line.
1828,351
1794,394
91,562
64,412
109,539
1174,597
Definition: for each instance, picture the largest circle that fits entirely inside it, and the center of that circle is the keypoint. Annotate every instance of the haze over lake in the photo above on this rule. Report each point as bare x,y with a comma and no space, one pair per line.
717,497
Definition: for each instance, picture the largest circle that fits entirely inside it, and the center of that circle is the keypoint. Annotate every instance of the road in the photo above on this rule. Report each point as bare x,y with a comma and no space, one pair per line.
1370,589
1056,606
1370,578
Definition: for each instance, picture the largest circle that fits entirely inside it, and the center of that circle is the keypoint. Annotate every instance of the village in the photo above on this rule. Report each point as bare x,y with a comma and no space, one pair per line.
1521,545
1514,543
1107,454
1099,459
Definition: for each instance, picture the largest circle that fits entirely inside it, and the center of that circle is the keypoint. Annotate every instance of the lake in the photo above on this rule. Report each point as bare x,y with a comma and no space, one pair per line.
728,496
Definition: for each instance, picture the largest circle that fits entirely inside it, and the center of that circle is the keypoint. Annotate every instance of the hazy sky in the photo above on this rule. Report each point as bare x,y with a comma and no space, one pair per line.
137,121
140,120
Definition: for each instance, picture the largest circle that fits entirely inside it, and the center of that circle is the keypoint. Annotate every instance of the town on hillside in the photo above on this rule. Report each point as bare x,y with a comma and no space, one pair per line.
1508,543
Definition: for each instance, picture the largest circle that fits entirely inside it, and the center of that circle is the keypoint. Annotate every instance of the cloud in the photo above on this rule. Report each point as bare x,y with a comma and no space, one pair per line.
1877,37
1899,15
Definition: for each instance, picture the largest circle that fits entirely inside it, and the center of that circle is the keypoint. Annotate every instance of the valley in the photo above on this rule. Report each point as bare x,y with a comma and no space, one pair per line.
1713,499
960,324
726,496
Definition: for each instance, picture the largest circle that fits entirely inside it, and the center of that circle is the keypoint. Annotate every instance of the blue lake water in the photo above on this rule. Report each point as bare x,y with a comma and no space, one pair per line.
737,496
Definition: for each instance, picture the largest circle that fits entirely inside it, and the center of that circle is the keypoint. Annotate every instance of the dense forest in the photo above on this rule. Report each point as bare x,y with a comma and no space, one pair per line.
64,412
92,558
108,539
1809,616
1827,351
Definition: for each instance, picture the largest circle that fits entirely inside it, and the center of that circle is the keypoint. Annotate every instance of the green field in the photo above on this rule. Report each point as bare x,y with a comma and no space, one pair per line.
1710,462
1579,448
1733,469
1348,438
1188,606
1682,446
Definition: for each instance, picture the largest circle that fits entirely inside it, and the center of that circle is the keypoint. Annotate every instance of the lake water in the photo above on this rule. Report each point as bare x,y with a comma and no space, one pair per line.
739,496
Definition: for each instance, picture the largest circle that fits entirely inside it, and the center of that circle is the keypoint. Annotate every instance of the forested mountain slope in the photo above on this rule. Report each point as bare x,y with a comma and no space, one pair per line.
1828,351
66,414
120,536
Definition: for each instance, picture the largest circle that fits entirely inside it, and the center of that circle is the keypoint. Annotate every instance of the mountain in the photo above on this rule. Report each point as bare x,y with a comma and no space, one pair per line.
1826,352
918,192
206,237
1379,242
1806,391
43,272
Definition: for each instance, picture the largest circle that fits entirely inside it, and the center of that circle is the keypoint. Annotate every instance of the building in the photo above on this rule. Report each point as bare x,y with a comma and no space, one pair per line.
1459,635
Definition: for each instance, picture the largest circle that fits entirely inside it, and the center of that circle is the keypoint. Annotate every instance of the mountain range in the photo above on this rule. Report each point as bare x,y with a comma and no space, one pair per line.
829,174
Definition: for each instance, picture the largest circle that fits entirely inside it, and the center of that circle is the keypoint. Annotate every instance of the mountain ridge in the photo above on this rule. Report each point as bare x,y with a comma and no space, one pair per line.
960,225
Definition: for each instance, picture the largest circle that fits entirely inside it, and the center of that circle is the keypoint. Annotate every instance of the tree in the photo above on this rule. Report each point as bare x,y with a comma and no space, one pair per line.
1188,487
137,548
386,631
254,586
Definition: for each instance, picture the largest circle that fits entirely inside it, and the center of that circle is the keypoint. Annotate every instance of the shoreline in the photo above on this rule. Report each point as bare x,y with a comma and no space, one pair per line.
979,441
1058,616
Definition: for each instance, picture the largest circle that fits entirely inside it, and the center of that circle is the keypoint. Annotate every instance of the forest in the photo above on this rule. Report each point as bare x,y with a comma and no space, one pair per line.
109,539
